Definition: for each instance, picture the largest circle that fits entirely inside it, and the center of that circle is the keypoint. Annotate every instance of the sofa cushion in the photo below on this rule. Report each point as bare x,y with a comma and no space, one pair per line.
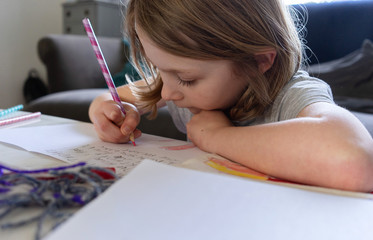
349,76
71,62
71,104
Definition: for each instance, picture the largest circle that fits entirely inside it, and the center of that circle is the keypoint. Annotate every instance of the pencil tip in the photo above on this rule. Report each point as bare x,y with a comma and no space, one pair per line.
132,139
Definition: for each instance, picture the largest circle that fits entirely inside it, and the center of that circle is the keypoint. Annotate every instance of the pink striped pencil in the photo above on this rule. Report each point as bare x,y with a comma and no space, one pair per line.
104,68
19,118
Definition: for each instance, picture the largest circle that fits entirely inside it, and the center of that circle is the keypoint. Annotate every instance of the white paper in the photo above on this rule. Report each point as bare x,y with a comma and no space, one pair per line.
78,142
156,201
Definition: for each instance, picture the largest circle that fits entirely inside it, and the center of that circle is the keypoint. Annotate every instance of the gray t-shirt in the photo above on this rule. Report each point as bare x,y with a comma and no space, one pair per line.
301,91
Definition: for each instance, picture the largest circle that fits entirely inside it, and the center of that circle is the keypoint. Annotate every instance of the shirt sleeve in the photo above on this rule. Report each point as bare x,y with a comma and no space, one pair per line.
301,91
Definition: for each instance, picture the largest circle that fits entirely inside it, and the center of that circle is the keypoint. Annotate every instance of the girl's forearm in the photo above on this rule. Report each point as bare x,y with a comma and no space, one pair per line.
310,150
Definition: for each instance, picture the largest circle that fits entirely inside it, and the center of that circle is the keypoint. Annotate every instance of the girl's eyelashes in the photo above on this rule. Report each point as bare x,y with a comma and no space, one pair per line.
184,82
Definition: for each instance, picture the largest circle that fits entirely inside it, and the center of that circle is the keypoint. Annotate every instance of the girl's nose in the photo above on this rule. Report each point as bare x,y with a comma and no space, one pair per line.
170,92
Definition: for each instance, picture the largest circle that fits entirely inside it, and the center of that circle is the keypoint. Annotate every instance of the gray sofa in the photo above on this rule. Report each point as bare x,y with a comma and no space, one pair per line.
335,34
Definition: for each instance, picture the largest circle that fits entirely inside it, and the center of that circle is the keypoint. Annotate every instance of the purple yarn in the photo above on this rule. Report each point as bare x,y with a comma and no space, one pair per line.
39,170
60,190
5,183
56,195
4,190
78,199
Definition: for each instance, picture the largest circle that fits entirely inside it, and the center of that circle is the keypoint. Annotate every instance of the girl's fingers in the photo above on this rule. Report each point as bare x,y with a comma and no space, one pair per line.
114,126
109,132
131,120
114,114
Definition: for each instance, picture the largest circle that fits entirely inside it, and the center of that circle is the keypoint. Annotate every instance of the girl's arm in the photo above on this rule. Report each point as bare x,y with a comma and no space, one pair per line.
324,146
109,121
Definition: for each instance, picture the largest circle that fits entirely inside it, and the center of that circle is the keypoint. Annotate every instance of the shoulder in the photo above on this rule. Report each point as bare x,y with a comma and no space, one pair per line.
301,82
301,91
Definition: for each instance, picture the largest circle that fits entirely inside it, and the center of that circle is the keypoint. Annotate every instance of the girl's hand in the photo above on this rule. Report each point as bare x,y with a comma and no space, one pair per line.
206,127
110,123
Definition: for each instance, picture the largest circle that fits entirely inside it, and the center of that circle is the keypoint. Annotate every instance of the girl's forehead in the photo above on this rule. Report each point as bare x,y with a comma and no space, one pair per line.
168,62
163,59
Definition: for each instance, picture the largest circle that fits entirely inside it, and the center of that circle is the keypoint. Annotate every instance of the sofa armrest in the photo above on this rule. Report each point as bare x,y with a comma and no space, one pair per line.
71,63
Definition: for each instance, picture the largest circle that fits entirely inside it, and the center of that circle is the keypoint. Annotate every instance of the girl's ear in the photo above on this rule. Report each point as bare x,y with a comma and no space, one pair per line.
265,59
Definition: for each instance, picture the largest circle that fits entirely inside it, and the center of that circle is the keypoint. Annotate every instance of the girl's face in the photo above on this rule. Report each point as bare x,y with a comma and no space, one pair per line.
194,84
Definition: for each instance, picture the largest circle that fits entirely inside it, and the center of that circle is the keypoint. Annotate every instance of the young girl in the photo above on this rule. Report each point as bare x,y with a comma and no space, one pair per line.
229,74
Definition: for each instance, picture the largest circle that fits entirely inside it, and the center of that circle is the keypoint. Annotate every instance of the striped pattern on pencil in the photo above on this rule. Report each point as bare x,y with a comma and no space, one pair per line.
102,62
19,118
10,110
104,68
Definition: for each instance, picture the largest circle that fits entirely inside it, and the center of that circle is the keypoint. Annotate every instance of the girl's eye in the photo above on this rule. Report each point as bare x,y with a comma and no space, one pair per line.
184,82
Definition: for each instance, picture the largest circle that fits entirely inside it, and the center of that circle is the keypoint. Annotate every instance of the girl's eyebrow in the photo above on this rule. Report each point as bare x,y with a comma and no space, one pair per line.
175,70
171,70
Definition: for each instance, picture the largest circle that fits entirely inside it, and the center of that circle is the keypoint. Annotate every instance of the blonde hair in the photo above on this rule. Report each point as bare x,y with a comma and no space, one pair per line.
232,30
